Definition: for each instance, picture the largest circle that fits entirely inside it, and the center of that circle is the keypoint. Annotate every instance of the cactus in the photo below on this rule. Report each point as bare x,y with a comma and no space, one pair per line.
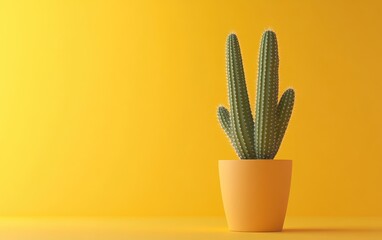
262,137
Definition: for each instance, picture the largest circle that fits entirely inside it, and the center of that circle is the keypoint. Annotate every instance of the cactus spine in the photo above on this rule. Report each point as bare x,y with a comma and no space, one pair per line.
259,139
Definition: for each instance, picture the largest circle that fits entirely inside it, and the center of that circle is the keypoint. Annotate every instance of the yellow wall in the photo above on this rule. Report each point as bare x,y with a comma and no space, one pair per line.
108,107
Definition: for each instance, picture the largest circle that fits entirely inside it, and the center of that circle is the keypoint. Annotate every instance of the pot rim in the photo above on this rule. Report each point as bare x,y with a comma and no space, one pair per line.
257,160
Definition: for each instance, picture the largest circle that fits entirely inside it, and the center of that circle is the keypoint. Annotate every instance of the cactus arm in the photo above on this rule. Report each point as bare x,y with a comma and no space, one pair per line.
242,125
267,96
225,123
224,120
284,112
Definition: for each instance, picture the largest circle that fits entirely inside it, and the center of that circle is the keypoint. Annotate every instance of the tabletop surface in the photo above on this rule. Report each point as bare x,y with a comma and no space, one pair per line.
187,228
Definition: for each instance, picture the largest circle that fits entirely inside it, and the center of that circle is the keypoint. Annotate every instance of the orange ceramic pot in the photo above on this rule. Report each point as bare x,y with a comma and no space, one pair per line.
255,193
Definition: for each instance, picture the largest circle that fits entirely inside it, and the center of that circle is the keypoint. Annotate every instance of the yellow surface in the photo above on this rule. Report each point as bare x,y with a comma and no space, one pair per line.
109,107
184,228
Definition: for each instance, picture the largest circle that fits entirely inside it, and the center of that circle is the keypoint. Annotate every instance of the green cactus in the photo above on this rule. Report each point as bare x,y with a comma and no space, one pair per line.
262,137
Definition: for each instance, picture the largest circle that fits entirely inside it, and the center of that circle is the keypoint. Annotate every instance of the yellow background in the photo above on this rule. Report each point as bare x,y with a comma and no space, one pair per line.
109,107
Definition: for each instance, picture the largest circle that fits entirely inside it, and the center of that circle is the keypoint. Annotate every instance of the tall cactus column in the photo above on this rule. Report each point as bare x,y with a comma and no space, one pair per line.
267,94
238,122
271,118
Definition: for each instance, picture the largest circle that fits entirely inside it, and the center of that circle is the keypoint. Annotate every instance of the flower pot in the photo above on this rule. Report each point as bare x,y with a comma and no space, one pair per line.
255,193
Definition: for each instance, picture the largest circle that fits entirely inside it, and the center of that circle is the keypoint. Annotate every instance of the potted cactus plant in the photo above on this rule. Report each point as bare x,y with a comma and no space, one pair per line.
255,189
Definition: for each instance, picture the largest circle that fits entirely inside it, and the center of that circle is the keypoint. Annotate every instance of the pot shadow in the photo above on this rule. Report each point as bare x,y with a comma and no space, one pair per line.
332,230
